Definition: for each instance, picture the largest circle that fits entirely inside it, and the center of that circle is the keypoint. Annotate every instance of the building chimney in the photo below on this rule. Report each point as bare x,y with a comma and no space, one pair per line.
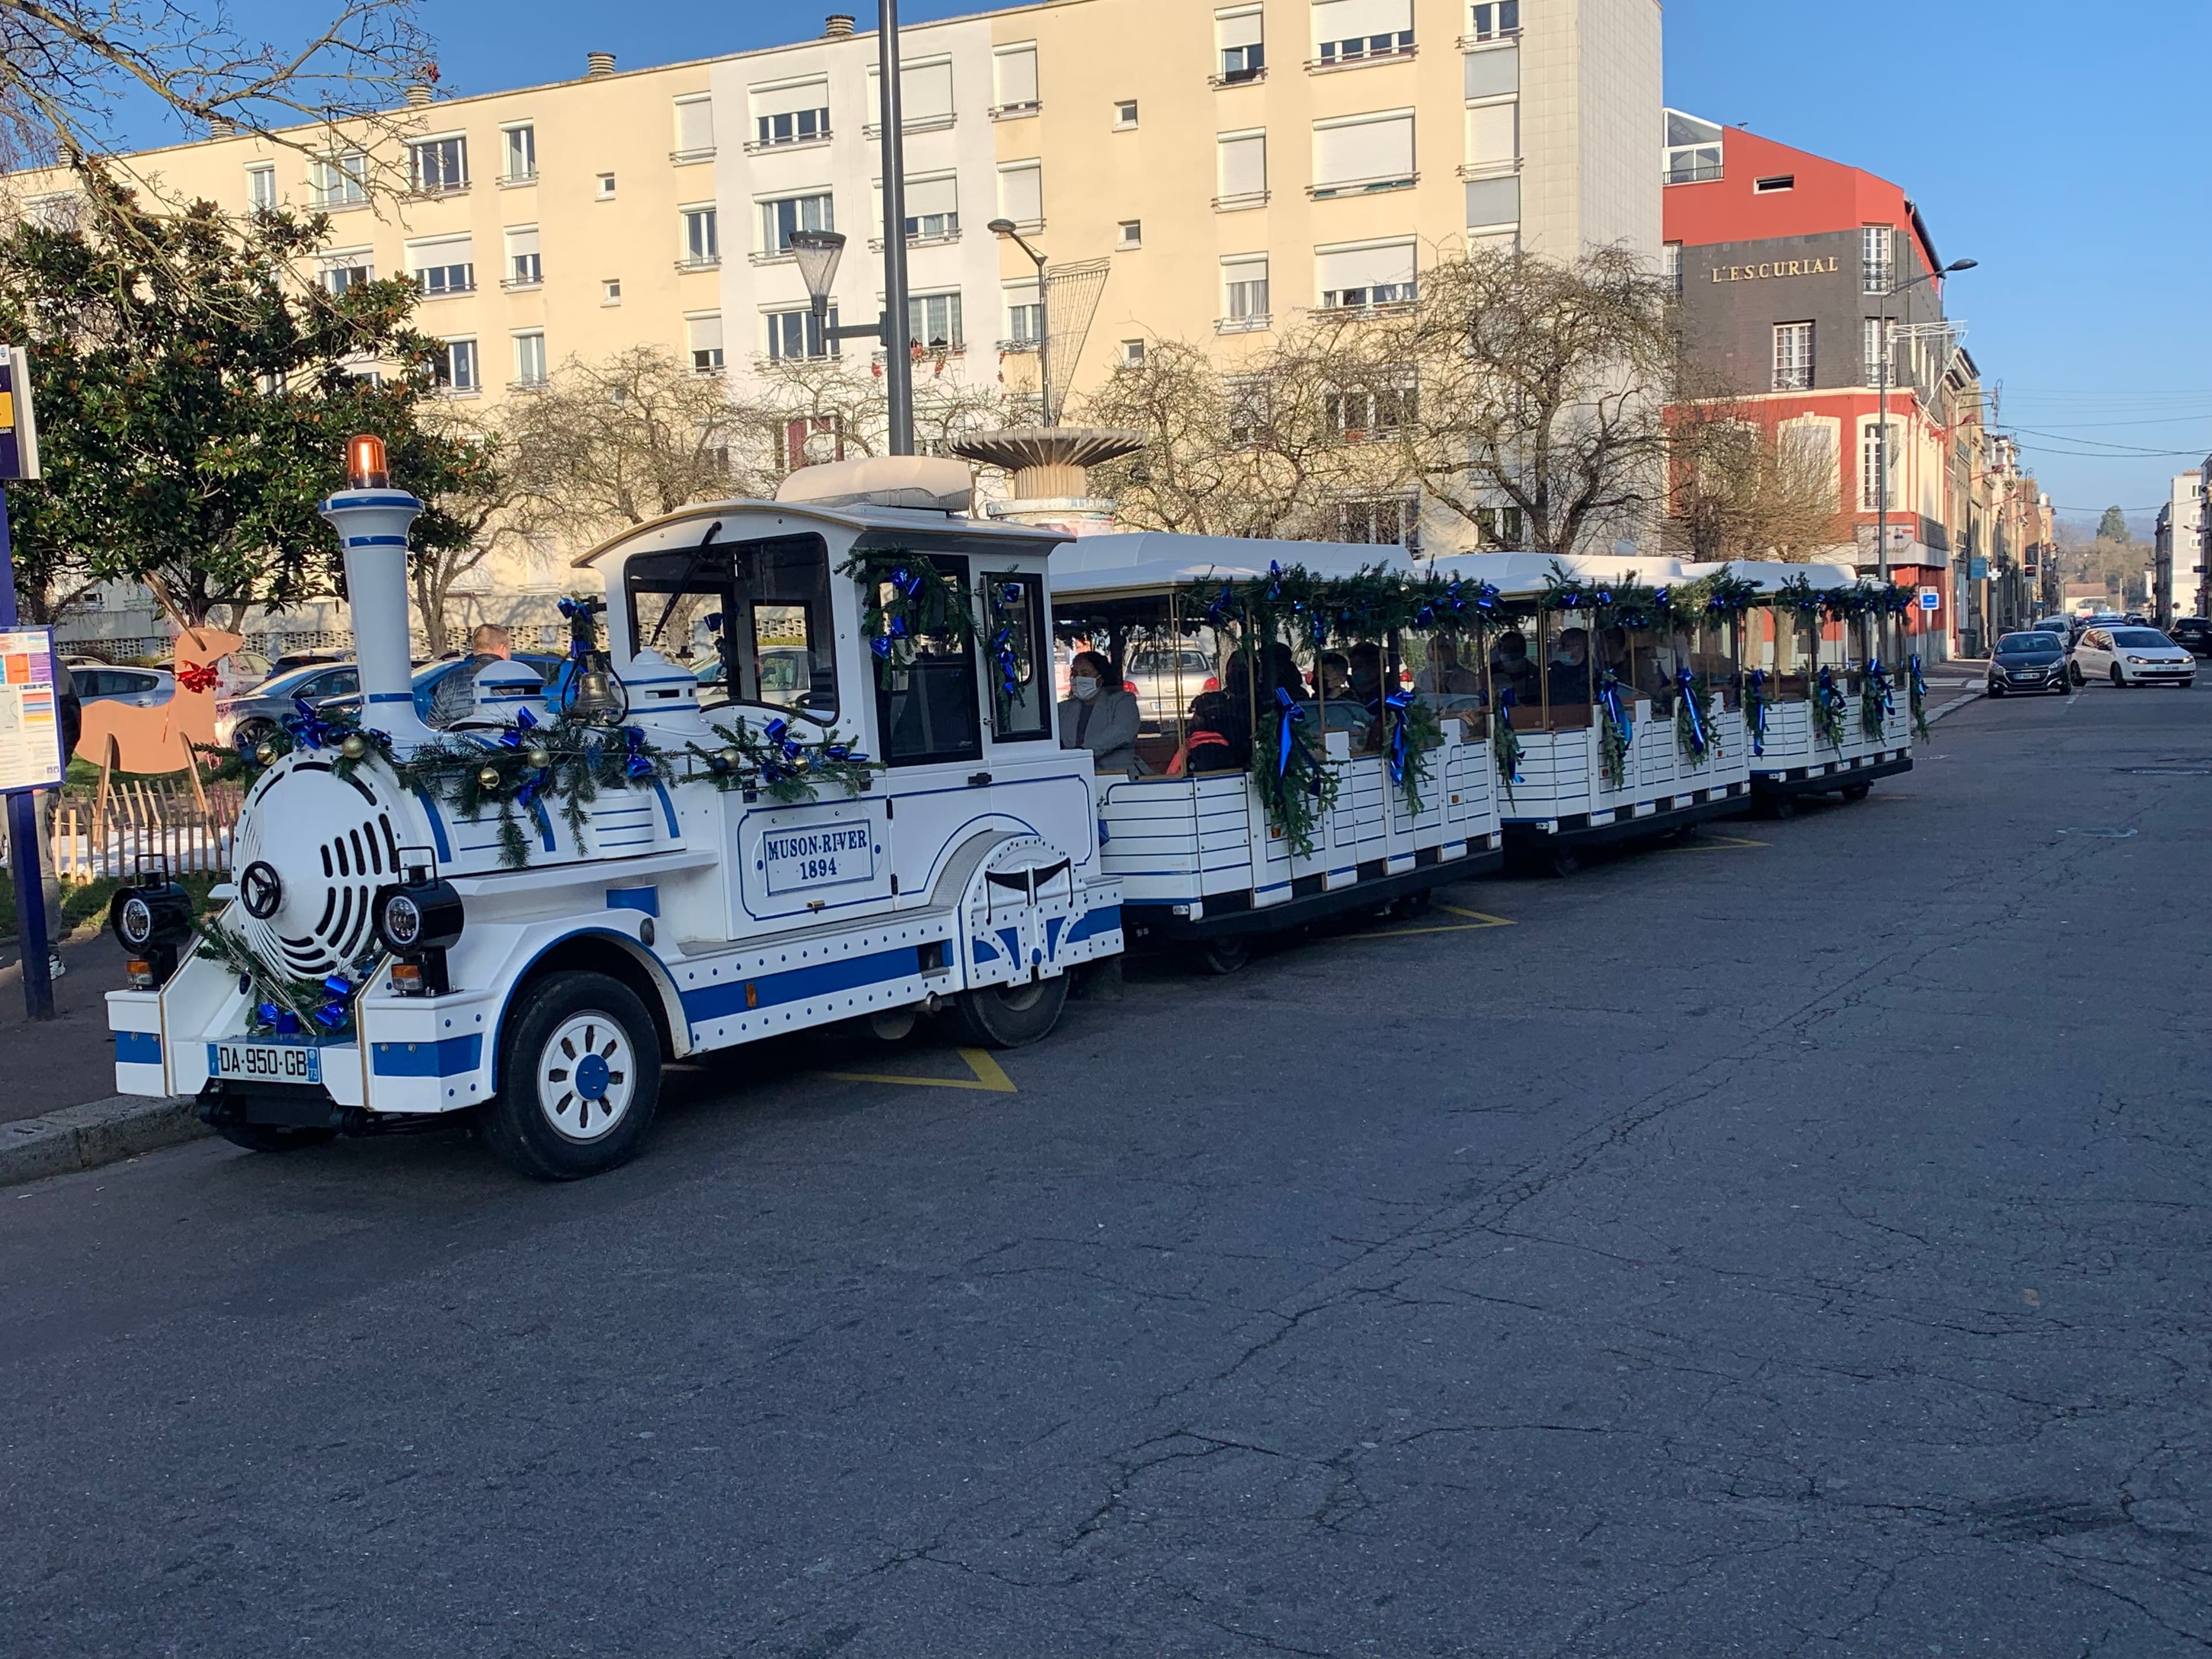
221,126
418,96
839,27
596,63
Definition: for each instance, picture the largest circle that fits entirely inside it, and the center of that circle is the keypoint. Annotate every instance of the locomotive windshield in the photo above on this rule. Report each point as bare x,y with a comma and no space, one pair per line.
751,619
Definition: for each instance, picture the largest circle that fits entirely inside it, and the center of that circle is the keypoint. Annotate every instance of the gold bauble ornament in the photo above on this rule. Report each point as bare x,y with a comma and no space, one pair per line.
265,754
353,746
488,777
539,759
730,757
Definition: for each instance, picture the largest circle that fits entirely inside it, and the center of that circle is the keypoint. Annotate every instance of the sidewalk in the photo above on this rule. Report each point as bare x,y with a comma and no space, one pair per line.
72,1058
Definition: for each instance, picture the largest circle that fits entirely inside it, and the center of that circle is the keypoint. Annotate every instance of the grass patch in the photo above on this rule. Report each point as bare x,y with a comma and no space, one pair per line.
83,902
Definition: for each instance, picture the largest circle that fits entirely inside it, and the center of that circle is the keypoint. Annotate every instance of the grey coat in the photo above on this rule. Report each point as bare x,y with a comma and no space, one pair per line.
1107,726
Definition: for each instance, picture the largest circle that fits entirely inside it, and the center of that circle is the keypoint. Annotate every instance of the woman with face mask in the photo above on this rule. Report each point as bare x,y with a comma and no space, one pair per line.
1101,715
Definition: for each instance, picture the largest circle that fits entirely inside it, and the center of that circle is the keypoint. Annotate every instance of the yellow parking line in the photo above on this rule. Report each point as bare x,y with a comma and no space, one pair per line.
990,1078
1477,922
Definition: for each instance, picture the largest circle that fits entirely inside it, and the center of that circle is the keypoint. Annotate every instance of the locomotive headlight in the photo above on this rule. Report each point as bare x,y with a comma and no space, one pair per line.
418,921
150,920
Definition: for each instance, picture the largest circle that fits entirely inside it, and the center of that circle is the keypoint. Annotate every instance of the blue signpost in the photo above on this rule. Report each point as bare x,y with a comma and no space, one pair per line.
19,459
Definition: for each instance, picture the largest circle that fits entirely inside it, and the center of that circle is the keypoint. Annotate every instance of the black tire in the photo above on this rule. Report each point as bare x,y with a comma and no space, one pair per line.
272,1138
1781,807
253,733
1415,904
1996,692
2119,680
1857,791
1563,862
1009,1015
543,1122
2065,690
2073,673
1231,953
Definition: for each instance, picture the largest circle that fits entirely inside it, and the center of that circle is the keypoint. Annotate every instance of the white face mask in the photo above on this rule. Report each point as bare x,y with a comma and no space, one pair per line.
1083,687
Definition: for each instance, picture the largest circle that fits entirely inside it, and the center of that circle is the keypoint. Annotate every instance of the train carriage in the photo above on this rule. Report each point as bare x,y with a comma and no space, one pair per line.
1359,774
810,773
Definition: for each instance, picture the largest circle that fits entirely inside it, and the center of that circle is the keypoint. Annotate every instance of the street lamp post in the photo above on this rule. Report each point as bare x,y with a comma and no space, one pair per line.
1005,227
1881,416
818,252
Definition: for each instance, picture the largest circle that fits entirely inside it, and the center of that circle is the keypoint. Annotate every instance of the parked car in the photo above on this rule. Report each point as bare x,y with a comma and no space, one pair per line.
141,687
2033,661
2193,635
2132,656
430,676
247,720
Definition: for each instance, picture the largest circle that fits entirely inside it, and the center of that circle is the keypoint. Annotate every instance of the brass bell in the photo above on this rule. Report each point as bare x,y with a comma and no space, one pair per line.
488,777
539,759
353,746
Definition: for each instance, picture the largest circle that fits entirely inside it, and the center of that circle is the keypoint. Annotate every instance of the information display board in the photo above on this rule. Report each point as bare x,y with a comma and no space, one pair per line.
30,712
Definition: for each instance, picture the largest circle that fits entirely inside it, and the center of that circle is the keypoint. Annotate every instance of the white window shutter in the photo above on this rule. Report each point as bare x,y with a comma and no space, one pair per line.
1363,150
926,90
1357,20
1021,192
1391,264
1245,166
1017,76
924,197
522,242
694,124
789,100
706,333
1493,202
1493,73
1494,133
1243,28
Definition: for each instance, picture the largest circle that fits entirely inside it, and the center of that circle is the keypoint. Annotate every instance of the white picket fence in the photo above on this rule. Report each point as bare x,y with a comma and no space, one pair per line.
141,827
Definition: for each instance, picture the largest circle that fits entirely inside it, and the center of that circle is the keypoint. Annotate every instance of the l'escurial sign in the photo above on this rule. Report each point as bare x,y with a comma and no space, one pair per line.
819,855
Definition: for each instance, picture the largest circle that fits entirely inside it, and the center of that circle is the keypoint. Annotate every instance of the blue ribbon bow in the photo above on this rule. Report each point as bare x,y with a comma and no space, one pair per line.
1759,711
1397,707
1686,689
1609,695
640,764
523,722
1505,713
1881,681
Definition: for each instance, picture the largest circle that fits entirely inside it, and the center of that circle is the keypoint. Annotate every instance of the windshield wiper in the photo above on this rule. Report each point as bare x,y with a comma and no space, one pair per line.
684,581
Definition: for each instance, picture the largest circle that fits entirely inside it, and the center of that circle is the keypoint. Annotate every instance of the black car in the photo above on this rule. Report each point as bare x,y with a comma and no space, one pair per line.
2029,662
2193,635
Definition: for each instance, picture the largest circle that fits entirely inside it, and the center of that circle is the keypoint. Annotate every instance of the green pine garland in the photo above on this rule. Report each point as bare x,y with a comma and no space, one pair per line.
786,769
567,760
1872,715
1424,733
268,988
1295,799
904,596
1505,750
1695,737
1828,712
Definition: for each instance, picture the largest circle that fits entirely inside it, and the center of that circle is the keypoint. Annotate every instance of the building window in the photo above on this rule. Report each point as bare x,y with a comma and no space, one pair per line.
529,358
1809,447
1124,114
261,187
702,238
933,322
343,272
1775,186
1870,452
444,266
798,335
1497,20
1873,330
523,268
1501,528
702,334
1368,414
1242,37
1384,521
1021,193
1694,149
339,180
1670,265
925,95
1877,258
1364,153
1244,293
521,153
1014,80
1793,356
438,167
793,126
1242,167
1130,235
1132,354
695,129
1025,316
1361,31
455,365
610,291
606,187
932,210
779,218
1378,274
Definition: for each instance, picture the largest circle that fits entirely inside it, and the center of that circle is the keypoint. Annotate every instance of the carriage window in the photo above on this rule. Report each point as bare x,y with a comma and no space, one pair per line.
751,620
1021,700
926,698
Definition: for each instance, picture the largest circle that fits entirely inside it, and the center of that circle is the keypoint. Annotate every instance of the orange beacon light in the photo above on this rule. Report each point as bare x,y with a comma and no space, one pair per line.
364,463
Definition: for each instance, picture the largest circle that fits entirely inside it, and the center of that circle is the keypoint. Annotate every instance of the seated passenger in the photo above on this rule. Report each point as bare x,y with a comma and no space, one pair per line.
455,699
1444,676
1367,676
1335,677
1101,715
1511,669
1282,673
1614,656
1213,744
1569,678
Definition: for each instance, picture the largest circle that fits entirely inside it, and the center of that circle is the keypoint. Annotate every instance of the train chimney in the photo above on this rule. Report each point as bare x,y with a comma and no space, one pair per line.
372,521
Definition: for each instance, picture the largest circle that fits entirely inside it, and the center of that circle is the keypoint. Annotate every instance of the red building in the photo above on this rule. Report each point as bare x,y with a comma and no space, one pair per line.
1785,262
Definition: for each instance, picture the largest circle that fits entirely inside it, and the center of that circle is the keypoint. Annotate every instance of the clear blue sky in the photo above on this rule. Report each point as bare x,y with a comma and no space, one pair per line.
2064,146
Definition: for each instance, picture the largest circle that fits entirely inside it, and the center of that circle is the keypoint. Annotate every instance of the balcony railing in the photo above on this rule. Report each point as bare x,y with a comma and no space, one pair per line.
1250,198
1362,187
769,146
1359,56
1019,111
684,158
700,261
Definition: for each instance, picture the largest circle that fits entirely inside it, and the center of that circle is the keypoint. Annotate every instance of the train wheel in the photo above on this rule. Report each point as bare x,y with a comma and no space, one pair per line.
582,1071
270,1138
1010,1016
1857,791
1225,956
1781,807
1564,861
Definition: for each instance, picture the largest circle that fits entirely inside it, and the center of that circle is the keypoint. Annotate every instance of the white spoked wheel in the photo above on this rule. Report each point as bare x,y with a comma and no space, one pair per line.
586,1073
579,1077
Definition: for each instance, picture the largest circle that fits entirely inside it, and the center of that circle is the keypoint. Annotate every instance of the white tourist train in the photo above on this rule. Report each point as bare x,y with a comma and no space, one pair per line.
813,822
808,763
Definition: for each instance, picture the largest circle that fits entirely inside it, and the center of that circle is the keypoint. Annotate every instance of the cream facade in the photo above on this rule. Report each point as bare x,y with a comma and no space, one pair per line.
1236,163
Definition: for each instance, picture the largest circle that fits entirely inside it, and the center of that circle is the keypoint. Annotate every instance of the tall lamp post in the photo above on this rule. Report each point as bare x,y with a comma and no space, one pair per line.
1881,418
818,252
1005,227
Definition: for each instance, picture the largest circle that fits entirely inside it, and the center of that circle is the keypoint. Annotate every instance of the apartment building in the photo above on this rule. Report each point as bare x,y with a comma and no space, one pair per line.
2178,559
1233,164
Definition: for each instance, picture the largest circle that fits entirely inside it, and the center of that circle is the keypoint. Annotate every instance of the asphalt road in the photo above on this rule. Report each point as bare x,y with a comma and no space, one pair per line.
1789,1248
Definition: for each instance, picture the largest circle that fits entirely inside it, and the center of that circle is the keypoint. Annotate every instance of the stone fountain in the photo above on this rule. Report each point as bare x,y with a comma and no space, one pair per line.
1050,467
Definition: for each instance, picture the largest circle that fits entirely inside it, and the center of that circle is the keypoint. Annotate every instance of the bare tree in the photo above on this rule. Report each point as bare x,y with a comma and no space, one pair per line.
1542,391
809,409
1744,488
67,65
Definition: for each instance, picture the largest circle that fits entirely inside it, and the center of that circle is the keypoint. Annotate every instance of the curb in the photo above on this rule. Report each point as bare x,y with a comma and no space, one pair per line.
99,1132
1953,706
